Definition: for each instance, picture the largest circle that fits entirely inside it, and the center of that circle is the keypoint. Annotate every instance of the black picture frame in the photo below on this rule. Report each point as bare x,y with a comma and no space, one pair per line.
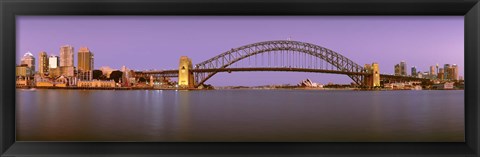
10,8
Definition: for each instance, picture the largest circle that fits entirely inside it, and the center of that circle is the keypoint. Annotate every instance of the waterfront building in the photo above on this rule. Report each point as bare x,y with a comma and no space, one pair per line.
403,68
419,74
23,71
43,63
66,56
28,60
96,84
414,71
53,62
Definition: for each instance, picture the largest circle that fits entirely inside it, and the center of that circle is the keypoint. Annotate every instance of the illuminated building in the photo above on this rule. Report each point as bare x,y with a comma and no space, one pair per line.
374,79
185,75
66,56
43,63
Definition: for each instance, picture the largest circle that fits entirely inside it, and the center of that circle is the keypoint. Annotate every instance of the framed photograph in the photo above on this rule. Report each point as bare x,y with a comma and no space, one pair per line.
187,78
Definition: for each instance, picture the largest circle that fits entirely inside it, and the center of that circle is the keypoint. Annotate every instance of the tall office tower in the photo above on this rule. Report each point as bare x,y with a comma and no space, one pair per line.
397,69
403,68
66,56
53,62
454,72
414,71
437,68
85,59
445,70
432,71
441,74
29,60
43,63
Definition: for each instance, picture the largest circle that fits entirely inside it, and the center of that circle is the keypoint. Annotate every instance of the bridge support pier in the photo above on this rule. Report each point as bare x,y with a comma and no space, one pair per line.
185,74
372,80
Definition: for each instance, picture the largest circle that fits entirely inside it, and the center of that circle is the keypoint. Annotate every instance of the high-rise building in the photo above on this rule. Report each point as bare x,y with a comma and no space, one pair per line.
85,59
454,72
403,68
414,71
85,64
441,74
445,70
29,60
66,56
53,62
432,71
43,63
397,69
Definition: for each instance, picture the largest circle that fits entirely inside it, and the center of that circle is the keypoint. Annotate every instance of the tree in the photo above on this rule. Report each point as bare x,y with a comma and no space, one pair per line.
116,75
97,74
142,79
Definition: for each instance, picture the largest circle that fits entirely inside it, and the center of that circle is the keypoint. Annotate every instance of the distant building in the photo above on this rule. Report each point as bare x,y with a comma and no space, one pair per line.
96,84
414,71
441,74
28,60
53,62
432,71
66,56
397,70
403,68
446,70
43,63
309,83
454,72
85,64
23,71
106,71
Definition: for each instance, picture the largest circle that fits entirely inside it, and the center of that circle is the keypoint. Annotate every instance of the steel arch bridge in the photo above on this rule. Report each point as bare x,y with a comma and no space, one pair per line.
277,55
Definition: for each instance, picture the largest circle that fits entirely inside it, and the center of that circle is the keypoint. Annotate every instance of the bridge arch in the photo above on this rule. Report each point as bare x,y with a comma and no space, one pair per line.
235,55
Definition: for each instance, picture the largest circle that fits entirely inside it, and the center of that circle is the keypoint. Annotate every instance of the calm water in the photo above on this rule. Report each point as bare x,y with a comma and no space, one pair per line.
239,115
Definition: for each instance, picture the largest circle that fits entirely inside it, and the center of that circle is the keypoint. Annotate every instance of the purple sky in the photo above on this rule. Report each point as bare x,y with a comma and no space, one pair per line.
157,42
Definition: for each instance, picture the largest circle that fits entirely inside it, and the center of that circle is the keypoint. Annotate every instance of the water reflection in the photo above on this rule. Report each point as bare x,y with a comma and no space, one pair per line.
239,115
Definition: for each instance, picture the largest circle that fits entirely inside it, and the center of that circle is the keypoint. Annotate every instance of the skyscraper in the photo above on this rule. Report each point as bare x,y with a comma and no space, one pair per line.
29,60
43,63
53,62
454,72
441,74
85,59
432,71
414,71
445,70
66,55
403,68
397,69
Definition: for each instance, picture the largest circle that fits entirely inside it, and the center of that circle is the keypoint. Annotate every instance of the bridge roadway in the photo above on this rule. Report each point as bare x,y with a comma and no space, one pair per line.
174,73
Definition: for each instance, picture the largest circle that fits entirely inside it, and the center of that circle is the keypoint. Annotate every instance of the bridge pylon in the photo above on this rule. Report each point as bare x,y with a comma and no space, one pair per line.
185,74
373,79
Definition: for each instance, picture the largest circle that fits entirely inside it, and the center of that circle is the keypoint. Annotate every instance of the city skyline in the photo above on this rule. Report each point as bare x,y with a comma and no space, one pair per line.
436,36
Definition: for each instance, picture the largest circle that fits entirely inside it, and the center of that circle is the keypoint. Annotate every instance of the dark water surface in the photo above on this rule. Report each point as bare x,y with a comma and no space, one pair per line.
239,115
